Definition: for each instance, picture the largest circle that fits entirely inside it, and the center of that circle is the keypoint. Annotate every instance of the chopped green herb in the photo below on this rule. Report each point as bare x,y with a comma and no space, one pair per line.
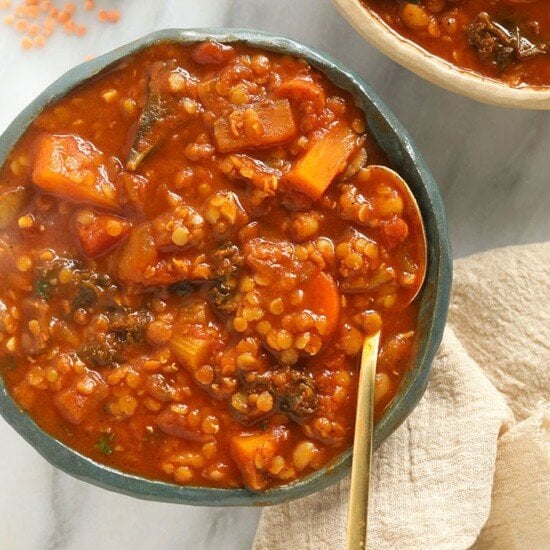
103,444
104,353
263,425
85,298
43,289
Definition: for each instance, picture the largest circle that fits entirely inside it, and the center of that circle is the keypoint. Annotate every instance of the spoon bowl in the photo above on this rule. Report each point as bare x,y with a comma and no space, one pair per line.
383,175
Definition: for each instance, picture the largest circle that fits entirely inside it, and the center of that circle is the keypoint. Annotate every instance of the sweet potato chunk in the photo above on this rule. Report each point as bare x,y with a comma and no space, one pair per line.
76,402
253,455
253,126
73,169
314,171
99,233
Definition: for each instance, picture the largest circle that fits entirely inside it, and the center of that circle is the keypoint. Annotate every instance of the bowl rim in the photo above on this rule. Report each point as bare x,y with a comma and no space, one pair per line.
436,70
84,468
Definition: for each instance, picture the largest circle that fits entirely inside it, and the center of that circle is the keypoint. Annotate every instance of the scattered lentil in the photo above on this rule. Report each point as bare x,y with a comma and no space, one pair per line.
37,20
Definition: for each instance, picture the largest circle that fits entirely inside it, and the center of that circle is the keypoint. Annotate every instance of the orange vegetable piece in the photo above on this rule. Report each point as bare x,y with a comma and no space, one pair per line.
316,169
75,406
251,451
252,126
321,296
73,168
134,190
99,233
137,254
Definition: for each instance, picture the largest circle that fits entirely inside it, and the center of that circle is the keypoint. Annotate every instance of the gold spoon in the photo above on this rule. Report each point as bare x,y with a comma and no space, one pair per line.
362,446
364,420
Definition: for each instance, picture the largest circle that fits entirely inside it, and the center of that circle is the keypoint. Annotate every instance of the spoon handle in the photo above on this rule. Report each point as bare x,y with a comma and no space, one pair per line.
362,447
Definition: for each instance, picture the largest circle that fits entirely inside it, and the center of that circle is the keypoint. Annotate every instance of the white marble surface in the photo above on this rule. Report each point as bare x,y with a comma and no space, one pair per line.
493,166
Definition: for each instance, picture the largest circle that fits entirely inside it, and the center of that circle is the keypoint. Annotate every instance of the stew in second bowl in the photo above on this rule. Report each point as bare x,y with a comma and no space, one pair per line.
508,40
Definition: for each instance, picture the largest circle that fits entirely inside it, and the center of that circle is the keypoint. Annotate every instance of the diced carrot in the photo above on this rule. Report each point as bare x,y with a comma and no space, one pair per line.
252,126
73,168
137,254
251,452
302,89
321,296
99,233
316,169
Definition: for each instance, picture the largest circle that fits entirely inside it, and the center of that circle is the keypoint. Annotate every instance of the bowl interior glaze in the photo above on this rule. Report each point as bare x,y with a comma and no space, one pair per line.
434,297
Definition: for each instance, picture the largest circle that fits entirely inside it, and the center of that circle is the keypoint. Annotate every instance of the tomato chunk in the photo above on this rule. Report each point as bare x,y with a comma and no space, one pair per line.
175,421
212,53
100,233
78,401
302,89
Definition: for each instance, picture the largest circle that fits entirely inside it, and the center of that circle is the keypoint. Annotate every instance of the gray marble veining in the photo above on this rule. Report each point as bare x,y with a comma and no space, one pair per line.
492,164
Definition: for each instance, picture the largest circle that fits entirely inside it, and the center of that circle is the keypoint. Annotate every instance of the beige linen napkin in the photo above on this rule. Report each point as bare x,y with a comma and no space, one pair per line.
471,465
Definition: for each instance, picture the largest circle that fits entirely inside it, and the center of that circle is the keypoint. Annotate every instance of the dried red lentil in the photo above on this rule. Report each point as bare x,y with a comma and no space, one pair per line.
37,20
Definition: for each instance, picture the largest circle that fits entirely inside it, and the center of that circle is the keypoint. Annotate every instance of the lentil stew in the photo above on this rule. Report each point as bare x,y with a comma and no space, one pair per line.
507,40
193,249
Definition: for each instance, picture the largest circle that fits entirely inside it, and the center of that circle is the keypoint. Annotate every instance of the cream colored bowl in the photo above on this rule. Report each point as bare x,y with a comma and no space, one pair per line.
437,70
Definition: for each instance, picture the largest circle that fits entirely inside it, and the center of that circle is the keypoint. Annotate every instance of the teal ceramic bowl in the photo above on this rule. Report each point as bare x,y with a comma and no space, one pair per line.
434,298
